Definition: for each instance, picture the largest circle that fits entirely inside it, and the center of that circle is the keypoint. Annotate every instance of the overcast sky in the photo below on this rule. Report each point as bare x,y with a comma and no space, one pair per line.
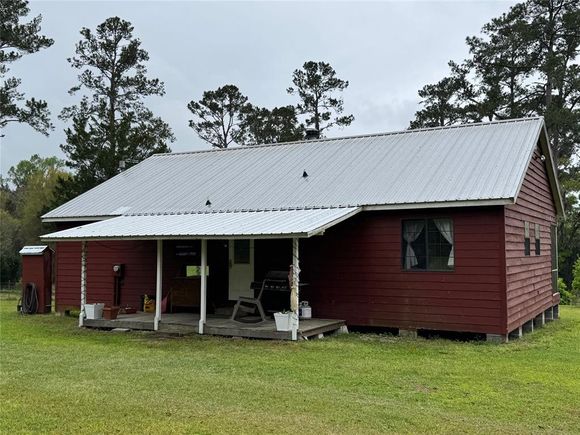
387,51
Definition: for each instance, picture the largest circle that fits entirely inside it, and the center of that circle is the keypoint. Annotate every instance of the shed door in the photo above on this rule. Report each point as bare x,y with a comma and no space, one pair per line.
241,261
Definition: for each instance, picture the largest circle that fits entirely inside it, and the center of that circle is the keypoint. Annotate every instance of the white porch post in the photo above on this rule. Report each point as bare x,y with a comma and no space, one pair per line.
158,285
294,287
82,315
203,296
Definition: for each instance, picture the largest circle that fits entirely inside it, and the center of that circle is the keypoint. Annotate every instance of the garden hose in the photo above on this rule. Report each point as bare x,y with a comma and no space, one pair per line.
29,299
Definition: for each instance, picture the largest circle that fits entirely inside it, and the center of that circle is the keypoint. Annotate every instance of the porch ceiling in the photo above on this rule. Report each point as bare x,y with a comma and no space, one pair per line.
228,225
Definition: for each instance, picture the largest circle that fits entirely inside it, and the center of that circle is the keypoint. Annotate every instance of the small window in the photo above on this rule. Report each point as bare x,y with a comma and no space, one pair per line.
427,244
526,238
537,234
242,251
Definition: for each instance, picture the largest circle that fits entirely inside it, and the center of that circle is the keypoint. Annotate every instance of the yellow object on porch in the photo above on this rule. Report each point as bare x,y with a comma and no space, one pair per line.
148,305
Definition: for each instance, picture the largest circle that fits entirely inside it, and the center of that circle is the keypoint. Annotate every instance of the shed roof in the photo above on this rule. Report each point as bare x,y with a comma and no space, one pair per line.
33,250
470,164
258,224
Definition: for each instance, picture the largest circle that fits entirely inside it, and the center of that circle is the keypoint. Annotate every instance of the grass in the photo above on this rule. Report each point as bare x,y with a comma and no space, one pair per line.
57,378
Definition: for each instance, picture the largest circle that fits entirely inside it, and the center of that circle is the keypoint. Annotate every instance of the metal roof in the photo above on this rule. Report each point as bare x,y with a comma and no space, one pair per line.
261,224
33,250
479,163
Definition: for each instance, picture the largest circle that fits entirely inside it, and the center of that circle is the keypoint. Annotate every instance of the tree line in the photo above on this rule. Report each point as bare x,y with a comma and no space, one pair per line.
225,116
523,63
111,123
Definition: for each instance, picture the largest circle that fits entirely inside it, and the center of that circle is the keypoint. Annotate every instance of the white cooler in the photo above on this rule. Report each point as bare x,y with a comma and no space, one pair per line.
94,311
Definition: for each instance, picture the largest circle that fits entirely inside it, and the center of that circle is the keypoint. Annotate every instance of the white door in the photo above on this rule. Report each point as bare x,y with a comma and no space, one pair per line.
241,259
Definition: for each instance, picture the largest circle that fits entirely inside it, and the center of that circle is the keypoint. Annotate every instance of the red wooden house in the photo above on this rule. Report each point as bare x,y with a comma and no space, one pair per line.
449,229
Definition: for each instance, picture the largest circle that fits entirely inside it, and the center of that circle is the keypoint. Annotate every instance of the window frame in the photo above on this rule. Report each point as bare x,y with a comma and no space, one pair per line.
537,239
403,244
527,241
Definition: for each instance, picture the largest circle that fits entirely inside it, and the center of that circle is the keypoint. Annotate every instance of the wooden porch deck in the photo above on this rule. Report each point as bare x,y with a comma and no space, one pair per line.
186,323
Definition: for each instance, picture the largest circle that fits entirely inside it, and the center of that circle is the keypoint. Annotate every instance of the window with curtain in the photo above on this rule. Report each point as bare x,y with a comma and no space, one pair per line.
428,244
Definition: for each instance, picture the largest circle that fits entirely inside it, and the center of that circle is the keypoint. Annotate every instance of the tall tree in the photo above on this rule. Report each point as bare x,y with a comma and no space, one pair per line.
34,182
19,176
264,126
524,63
318,87
16,40
441,104
111,124
218,116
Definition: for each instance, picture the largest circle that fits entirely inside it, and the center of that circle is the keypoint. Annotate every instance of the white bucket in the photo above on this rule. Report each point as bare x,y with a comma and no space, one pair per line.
305,310
94,311
283,321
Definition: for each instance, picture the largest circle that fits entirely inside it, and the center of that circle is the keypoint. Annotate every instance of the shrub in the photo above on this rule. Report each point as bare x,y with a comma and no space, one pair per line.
575,288
576,277
565,294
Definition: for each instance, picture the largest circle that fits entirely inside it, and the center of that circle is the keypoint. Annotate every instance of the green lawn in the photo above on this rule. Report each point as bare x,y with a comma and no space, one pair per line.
60,379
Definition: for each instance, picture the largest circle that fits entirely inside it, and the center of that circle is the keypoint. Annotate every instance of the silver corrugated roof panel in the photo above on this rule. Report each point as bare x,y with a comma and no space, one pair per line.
472,162
33,250
260,224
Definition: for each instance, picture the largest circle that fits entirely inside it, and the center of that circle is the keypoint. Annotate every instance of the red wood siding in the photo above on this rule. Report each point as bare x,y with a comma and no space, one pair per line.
139,258
529,286
355,273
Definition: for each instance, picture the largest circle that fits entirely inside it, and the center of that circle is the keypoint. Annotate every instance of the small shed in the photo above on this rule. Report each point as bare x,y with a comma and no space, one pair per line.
37,276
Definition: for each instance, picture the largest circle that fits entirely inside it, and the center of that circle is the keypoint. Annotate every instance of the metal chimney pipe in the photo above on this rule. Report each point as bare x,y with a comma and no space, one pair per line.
312,133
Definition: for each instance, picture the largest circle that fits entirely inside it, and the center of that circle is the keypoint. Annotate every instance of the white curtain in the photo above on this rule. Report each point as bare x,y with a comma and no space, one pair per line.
412,231
445,227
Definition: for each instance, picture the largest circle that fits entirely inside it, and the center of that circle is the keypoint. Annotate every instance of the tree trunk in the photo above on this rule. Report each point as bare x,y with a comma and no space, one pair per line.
112,106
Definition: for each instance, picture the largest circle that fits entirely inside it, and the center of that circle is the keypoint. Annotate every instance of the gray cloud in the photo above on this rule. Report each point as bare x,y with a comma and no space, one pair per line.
386,50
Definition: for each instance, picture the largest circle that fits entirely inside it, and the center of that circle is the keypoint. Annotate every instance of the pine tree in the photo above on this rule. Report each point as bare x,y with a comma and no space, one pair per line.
16,40
218,116
264,126
317,87
111,124
523,64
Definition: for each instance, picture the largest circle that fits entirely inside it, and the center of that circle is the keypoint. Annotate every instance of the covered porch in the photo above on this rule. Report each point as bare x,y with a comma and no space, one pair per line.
187,323
184,232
